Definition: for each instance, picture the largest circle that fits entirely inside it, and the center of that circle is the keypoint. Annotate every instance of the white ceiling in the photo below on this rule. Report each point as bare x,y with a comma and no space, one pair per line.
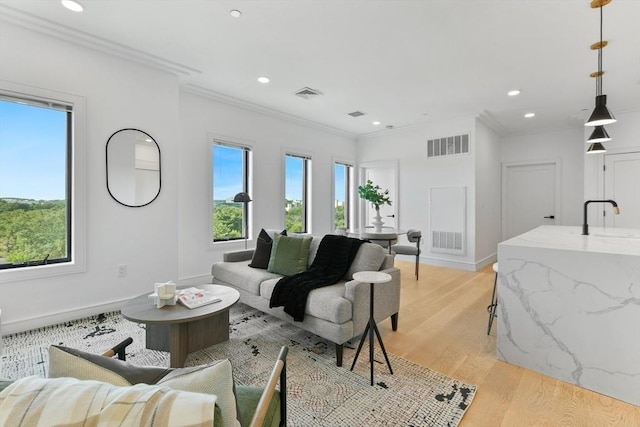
401,62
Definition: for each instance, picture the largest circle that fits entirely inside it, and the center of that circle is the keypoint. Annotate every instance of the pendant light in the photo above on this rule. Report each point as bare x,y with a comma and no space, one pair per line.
599,134
595,148
601,115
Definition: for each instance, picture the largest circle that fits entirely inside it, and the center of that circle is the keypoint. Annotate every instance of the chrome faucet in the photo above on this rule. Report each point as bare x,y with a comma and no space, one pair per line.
585,226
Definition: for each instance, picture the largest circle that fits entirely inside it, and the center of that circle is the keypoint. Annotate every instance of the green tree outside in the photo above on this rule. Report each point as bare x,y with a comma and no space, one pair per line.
30,230
227,221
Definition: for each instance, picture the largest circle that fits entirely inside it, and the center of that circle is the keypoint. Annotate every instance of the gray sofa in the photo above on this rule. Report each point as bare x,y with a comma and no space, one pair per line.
337,312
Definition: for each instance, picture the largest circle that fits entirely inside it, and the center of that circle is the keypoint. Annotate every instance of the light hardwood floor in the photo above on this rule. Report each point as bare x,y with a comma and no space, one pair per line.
443,326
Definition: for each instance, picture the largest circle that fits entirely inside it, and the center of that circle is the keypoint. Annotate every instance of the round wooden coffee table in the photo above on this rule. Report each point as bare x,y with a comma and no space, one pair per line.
181,330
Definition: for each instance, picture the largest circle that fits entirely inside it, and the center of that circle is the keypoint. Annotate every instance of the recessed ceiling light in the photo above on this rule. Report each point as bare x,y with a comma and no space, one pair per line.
513,92
235,13
529,115
263,79
376,123
72,5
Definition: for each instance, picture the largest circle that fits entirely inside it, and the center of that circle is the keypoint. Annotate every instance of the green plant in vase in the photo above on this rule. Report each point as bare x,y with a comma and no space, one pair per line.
378,198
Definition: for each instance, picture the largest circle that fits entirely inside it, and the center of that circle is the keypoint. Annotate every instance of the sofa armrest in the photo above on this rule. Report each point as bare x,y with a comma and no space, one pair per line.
235,256
387,299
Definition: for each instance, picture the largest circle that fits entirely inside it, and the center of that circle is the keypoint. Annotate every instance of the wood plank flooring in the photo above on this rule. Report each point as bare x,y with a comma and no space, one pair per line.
443,326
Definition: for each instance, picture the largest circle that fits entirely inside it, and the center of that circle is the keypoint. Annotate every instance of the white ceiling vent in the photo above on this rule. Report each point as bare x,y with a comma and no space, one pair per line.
356,114
307,93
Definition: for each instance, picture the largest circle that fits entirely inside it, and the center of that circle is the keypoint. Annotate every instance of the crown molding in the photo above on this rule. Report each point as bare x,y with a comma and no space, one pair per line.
237,102
487,119
54,29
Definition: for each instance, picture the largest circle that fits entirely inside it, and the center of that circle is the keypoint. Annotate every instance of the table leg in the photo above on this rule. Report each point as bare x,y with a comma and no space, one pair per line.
383,349
178,344
364,336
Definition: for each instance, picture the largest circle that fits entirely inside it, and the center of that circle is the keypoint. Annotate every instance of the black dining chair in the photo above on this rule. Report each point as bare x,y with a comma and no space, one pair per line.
414,236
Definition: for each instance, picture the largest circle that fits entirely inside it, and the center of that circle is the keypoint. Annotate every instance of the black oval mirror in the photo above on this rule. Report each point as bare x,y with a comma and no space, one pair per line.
133,167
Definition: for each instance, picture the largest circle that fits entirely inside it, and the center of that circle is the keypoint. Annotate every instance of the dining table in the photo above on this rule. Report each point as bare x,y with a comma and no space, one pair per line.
386,235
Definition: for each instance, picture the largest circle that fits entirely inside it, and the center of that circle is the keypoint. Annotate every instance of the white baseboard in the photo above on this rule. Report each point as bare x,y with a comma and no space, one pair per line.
200,279
458,265
21,325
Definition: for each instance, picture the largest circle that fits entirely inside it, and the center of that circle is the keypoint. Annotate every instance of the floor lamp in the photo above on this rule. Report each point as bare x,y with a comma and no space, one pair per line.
244,198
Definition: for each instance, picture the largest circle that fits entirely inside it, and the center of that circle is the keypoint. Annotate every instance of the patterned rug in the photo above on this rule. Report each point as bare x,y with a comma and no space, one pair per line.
319,393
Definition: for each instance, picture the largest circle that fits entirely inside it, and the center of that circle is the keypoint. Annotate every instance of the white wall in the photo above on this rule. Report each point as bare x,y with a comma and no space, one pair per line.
625,134
118,94
568,147
488,195
268,137
417,174
168,239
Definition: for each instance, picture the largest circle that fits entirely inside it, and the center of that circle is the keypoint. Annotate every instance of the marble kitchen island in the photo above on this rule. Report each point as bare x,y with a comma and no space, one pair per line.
569,307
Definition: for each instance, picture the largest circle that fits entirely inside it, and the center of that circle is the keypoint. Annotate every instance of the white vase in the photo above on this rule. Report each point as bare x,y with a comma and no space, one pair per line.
377,222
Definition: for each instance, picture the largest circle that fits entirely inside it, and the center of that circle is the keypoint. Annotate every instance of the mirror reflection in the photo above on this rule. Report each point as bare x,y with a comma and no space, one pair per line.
133,167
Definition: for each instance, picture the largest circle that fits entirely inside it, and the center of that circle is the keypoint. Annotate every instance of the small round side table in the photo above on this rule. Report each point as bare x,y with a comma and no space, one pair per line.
371,277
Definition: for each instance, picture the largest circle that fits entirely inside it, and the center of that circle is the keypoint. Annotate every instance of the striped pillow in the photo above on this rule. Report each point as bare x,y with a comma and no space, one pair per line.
215,378
69,401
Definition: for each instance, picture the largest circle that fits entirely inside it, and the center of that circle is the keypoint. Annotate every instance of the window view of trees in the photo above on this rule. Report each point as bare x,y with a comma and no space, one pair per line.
227,220
339,217
296,178
34,177
343,176
230,177
31,230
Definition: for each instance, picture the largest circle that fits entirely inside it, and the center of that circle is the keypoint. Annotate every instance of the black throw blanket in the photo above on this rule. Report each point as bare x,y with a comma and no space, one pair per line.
334,257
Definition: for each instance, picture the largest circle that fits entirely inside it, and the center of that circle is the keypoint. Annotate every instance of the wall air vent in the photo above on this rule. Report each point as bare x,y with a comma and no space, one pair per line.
356,114
447,146
307,93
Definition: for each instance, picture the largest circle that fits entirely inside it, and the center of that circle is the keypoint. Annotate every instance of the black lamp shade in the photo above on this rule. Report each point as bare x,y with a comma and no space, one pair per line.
599,134
241,197
595,148
601,115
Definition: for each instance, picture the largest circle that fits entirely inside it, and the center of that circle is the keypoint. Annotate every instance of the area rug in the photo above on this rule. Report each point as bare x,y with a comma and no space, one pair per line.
319,392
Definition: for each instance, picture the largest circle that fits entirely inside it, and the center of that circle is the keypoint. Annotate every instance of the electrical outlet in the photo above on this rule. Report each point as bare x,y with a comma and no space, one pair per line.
122,270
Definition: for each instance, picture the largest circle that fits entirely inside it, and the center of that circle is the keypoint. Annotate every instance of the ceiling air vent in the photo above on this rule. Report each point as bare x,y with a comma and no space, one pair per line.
307,93
357,114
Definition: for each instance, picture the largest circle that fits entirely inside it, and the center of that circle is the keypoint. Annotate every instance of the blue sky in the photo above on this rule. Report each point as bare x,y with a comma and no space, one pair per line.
32,152
227,180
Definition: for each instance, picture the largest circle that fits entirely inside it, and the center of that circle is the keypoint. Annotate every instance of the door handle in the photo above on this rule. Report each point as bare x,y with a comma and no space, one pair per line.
550,217
391,216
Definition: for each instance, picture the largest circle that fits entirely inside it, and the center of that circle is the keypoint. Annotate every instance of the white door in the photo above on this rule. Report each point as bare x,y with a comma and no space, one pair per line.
384,174
529,197
622,184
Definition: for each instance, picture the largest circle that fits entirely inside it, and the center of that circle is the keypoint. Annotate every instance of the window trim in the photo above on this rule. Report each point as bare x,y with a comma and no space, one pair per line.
247,146
349,190
306,188
76,184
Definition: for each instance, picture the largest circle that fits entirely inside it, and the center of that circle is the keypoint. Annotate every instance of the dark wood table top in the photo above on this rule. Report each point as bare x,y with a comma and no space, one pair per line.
143,309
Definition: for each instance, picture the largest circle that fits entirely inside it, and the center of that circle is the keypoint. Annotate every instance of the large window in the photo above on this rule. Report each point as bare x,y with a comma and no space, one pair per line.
297,182
342,180
35,182
230,177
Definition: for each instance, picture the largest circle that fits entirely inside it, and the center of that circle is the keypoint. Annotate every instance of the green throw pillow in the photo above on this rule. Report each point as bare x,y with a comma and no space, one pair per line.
289,255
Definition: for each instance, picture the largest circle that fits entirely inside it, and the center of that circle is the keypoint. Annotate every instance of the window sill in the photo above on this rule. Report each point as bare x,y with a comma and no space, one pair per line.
39,272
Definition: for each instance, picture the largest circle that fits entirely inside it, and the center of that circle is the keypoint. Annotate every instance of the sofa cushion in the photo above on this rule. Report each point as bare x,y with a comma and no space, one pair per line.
69,401
241,276
289,255
262,252
327,303
368,258
215,378
313,250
